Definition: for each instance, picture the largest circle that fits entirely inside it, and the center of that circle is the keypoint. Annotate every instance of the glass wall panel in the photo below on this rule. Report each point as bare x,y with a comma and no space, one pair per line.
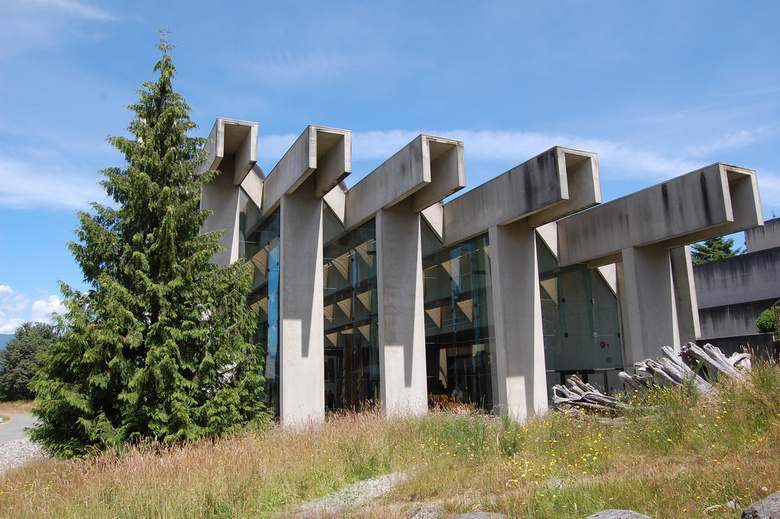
580,323
458,321
259,246
350,305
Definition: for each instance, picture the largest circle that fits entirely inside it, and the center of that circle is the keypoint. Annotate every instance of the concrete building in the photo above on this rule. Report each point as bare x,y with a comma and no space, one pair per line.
732,292
384,293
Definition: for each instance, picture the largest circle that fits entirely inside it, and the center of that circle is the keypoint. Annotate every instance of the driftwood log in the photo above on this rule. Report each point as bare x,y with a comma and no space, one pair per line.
677,367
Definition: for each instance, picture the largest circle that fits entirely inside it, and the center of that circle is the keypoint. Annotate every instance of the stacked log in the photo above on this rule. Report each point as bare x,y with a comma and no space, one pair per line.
677,367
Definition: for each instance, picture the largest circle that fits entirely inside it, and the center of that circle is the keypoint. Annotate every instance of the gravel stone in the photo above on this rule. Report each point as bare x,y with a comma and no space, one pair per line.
15,453
359,494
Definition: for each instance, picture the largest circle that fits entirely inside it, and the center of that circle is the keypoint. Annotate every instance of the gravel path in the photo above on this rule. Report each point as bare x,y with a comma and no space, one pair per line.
15,448
354,495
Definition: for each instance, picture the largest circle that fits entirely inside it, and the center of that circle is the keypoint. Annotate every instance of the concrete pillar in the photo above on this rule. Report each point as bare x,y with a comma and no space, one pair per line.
401,330
649,307
519,343
685,294
221,196
301,333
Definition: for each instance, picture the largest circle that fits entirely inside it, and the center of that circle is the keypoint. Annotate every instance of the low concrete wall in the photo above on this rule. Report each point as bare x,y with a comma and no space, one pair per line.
762,345
730,320
766,237
741,279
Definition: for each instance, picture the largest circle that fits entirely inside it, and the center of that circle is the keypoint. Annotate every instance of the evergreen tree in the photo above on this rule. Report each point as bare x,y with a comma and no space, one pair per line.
713,249
19,361
157,347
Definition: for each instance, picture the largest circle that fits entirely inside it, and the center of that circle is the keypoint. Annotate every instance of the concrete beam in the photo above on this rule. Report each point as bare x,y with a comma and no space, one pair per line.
426,170
328,151
235,140
550,186
713,201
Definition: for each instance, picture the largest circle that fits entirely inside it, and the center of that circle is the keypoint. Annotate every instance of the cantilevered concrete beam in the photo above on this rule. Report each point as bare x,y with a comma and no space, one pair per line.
231,150
423,173
327,151
426,171
713,201
235,143
642,230
552,185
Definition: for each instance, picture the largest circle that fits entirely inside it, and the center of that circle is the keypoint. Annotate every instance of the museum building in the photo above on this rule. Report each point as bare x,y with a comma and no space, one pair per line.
383,294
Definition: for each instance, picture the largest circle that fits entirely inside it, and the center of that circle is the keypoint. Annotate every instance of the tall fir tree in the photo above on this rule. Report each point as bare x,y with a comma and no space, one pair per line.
157,347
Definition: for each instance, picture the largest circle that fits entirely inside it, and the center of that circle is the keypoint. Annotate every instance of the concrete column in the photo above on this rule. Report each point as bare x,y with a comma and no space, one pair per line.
685,294
221,196
401,311
650,314
519,343
301,334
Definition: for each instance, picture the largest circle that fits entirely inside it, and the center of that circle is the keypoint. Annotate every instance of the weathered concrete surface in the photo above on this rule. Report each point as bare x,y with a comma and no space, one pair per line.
426,170
707,203
550,186
766,237
231,150
519,375
328,151
401,311
301,326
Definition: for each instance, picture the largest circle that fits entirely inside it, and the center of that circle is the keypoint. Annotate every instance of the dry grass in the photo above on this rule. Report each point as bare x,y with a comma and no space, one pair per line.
675,463
21,407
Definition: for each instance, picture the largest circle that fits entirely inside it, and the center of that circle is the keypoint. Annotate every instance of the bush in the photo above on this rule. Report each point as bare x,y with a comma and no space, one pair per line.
766,321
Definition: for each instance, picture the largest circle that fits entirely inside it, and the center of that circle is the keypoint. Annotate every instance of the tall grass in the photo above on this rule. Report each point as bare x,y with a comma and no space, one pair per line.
676,461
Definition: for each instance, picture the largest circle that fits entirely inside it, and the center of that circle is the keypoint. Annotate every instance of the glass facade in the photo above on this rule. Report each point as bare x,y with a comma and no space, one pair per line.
458,319
259,246
580,322
350,307
579,313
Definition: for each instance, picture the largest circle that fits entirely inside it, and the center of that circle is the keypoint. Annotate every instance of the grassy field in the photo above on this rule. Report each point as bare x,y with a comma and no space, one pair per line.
691,456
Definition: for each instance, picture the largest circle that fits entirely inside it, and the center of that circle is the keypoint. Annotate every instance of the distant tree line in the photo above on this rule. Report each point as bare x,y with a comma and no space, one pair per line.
21,359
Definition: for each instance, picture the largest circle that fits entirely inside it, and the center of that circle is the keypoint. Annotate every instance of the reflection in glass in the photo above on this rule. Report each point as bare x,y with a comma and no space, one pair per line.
458,321
350,307
259,246
580,323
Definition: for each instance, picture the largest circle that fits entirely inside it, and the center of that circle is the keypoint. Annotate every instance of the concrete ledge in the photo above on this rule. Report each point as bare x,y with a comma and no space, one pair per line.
328,151
707,203
427,170
551,185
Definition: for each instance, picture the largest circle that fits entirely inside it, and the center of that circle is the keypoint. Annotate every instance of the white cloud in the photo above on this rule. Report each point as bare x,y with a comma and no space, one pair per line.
617,160
77,9
9,324
43,309
15,308
26,184
286,67
35,24
273,147
14,303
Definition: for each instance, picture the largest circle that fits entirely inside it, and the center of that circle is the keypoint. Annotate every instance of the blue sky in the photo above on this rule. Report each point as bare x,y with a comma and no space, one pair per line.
657,89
